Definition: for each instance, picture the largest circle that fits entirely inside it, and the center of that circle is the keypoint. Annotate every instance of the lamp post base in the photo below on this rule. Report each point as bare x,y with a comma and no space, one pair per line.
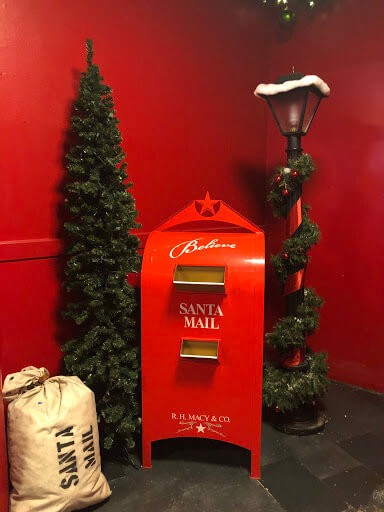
303,421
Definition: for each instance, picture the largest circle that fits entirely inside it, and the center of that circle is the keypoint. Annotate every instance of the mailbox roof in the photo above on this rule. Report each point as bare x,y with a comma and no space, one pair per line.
208,211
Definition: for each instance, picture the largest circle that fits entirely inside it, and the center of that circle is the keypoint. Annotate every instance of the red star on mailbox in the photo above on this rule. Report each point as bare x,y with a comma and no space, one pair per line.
207,205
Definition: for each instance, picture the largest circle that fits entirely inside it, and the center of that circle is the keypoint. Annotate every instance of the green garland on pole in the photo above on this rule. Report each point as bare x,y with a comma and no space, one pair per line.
288,390
282,388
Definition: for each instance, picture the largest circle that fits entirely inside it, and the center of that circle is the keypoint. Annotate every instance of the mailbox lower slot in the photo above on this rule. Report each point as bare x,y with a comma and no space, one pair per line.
202,279
200,349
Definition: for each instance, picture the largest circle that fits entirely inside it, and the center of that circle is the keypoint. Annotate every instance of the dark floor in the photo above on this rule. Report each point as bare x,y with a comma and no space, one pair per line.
340,470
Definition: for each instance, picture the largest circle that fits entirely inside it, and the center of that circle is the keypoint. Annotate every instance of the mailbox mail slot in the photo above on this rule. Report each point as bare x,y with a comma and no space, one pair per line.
200,349
199,278
202,287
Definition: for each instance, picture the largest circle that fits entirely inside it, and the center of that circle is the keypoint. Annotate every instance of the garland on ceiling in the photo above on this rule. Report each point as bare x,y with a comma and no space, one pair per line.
284,389
287,13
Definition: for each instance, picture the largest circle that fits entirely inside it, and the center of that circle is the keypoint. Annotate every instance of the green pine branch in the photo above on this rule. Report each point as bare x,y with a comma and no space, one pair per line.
288,390
294,254
281,180
291,331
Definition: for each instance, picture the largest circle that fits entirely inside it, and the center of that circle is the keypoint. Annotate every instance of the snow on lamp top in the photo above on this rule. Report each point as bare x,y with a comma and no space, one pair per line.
294,100
293,81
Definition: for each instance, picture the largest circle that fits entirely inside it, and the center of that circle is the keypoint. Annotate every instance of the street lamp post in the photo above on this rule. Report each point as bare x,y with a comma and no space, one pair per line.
293,100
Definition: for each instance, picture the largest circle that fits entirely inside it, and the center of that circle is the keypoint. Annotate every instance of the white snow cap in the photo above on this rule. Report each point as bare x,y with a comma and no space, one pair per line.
306,81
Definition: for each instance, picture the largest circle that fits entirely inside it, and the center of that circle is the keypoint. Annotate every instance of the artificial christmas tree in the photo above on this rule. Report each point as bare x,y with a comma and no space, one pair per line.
104,353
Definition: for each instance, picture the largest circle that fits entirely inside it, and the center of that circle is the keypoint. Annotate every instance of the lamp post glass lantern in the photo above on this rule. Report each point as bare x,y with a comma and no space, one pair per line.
295,109
294,100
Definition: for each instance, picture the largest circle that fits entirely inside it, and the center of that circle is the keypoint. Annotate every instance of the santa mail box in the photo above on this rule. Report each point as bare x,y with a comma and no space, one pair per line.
202,329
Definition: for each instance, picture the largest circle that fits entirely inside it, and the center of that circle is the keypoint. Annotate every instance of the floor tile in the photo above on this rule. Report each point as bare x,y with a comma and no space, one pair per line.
322,457
359,487
273,447
378,430
112,470
352,411
368,449
297,490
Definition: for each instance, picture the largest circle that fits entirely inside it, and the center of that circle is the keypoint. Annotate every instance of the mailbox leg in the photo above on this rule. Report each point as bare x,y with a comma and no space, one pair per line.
255,465
147,463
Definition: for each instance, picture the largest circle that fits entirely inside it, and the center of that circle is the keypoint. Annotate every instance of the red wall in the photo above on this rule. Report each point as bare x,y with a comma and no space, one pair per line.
3,450
182,74
345,48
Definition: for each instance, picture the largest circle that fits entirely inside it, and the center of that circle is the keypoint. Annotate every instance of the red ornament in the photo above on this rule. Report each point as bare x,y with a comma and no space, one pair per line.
285,255
278,179
294,174
285,192
277,409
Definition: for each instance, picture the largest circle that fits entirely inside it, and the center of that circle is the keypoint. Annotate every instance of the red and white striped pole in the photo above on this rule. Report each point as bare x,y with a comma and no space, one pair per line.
294,285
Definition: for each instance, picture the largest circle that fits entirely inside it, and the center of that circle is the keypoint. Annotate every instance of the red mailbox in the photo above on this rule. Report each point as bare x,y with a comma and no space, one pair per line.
202,329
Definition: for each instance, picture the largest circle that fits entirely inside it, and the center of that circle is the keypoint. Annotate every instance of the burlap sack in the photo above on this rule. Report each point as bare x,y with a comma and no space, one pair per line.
53,443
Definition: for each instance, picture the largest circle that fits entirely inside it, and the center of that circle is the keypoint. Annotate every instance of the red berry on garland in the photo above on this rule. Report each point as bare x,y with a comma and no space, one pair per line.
285,255
285,192
278,179
294,174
